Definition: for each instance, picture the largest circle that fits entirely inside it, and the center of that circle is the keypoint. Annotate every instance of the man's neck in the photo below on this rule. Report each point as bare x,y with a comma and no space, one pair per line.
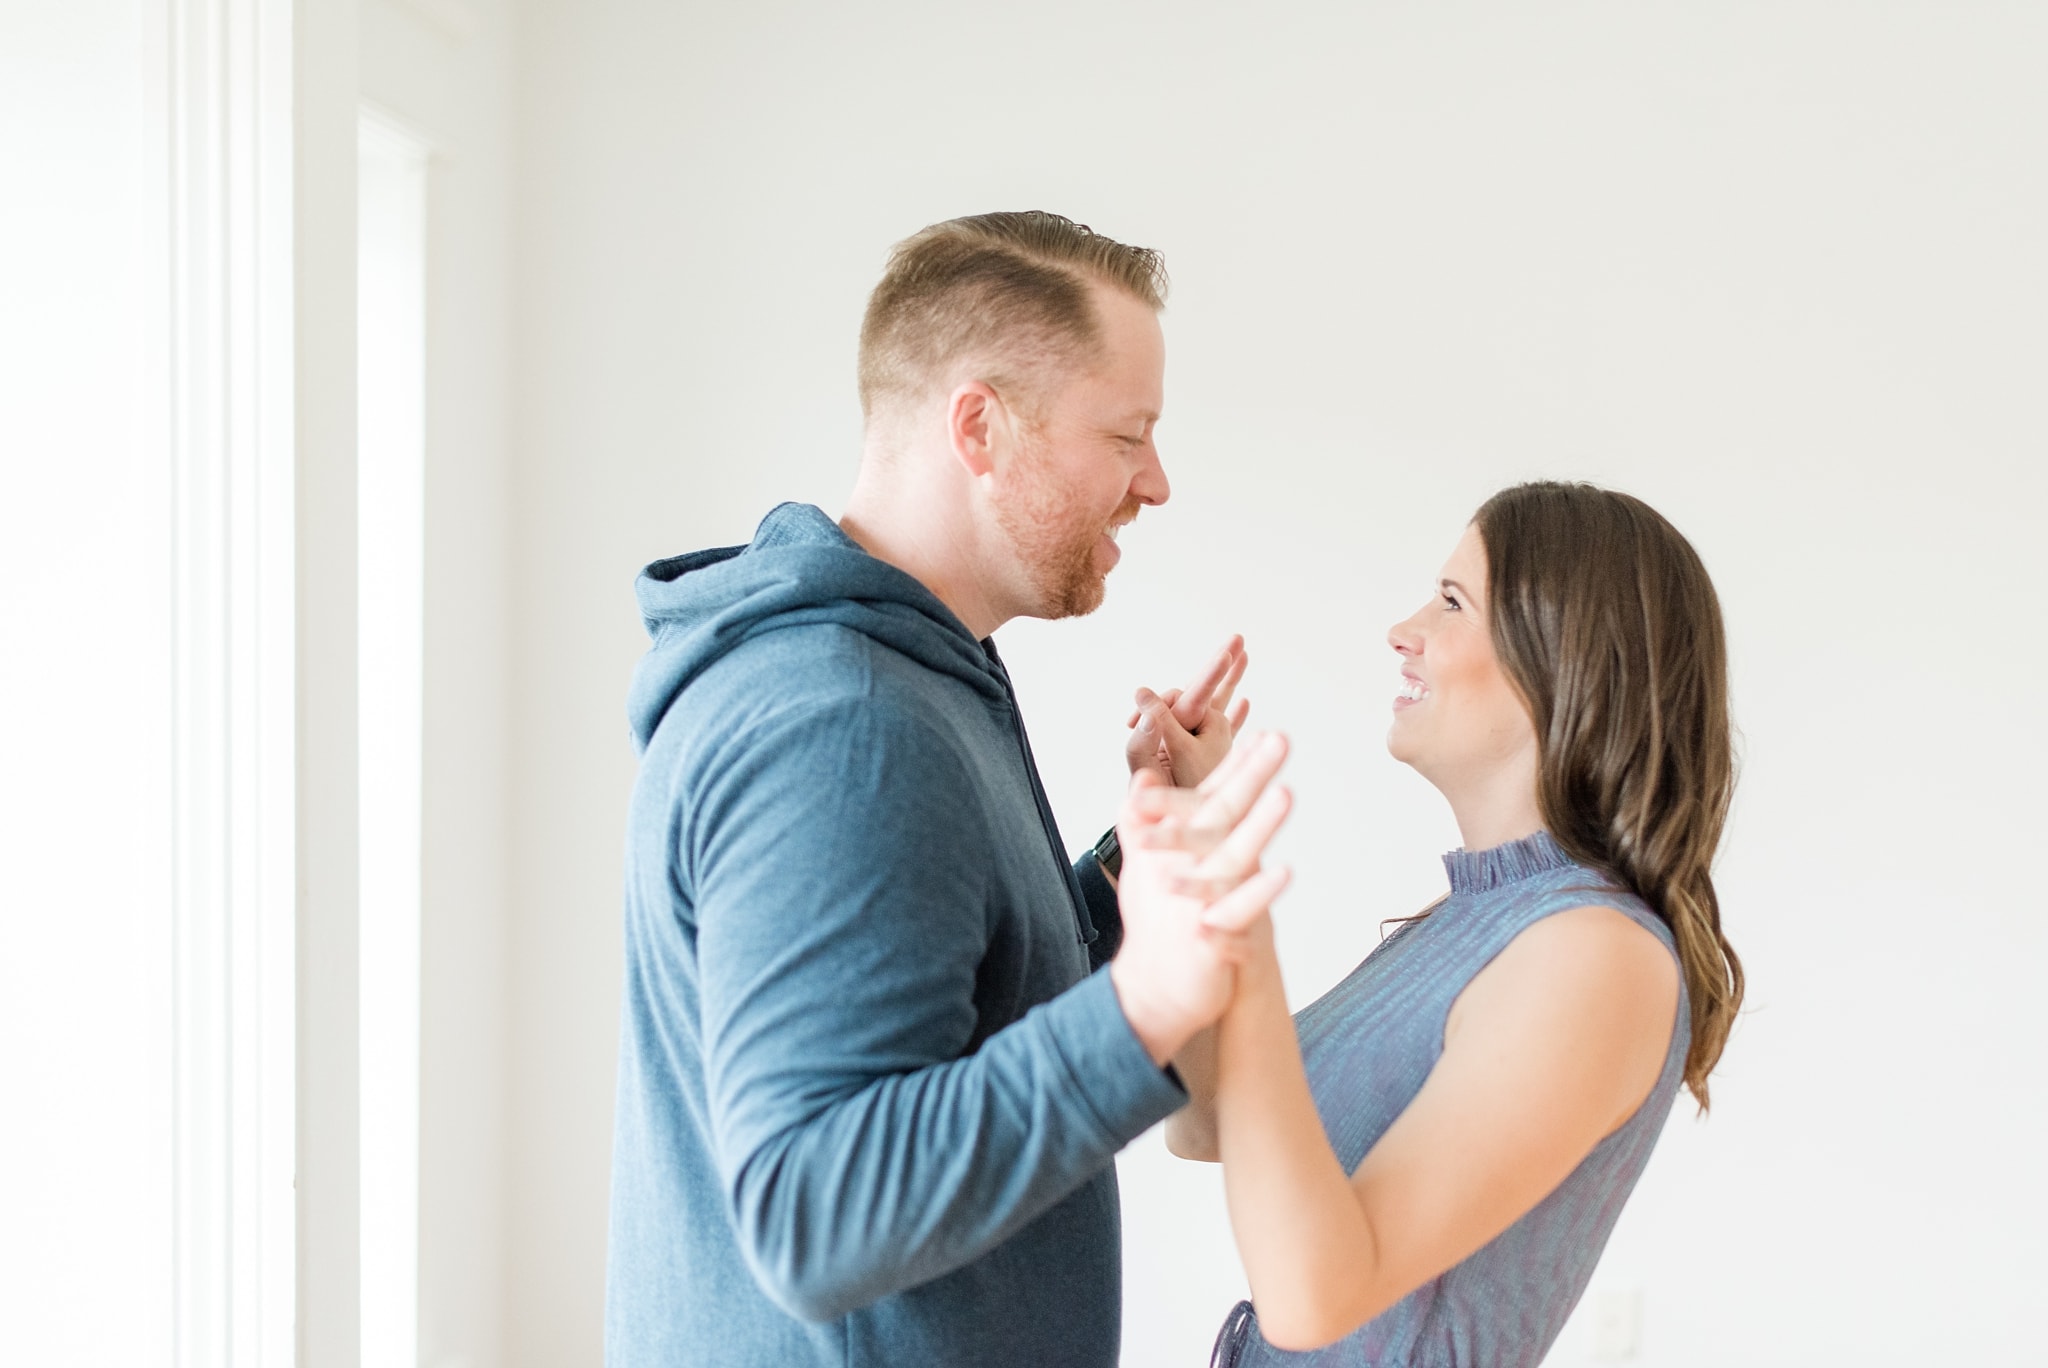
932,543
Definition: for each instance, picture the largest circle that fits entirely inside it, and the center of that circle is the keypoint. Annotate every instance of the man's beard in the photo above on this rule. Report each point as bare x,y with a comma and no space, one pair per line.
1054,543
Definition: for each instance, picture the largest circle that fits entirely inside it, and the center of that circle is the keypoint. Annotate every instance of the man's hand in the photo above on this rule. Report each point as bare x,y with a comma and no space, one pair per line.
1183,734
1191,885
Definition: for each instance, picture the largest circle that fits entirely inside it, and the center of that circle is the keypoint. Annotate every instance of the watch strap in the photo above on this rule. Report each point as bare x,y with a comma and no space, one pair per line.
1110,852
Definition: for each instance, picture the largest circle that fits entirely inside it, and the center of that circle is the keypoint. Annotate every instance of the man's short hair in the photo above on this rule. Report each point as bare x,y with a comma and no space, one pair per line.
1010,289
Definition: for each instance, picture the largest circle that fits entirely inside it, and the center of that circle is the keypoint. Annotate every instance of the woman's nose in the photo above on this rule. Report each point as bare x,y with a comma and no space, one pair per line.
1403,637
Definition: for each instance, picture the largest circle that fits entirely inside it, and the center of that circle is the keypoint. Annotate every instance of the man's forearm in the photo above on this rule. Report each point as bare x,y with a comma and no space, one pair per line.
914,1174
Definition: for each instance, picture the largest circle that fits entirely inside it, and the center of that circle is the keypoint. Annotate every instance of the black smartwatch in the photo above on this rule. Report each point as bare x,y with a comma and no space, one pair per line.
1110,852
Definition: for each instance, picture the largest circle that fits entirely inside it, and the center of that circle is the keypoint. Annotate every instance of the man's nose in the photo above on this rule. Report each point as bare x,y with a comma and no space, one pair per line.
1150,485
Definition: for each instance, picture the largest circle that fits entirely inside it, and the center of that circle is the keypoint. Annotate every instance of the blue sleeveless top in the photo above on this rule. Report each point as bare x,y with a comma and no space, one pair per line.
1370,1042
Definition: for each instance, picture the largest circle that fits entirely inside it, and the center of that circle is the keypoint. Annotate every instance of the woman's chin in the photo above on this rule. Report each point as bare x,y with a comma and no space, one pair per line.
1402,746
1415,752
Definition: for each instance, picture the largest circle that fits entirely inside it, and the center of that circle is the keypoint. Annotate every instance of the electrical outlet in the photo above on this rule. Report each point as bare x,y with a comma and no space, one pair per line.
1617,1325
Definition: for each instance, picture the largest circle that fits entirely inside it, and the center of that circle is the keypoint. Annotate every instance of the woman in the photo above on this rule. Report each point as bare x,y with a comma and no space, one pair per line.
1427,1172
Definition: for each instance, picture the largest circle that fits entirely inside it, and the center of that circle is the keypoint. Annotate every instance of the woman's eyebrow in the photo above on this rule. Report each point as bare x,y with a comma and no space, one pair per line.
1451,584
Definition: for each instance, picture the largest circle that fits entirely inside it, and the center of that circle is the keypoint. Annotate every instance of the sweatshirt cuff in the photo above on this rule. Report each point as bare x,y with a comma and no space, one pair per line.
1113,1074
1104,915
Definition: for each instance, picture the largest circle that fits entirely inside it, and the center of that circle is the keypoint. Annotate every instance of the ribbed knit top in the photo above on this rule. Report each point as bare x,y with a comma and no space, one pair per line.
1369,1044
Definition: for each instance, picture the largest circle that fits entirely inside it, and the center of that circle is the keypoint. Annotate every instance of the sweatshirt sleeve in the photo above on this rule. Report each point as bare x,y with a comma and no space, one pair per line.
839,865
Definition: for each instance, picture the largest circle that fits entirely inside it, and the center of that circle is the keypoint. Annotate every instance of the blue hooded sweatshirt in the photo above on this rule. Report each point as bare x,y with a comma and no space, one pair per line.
872,1074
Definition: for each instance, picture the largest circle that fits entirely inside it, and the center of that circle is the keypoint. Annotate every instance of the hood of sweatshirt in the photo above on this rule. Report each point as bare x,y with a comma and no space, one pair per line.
800,569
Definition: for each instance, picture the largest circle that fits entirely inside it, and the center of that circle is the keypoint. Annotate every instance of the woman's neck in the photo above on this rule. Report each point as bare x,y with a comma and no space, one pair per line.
1495,810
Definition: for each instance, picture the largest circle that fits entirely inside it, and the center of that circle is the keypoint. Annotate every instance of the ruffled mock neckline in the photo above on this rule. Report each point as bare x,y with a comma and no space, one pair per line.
1474,871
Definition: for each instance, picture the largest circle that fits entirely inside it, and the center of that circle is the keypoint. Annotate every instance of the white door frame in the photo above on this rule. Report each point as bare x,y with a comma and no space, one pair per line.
228,383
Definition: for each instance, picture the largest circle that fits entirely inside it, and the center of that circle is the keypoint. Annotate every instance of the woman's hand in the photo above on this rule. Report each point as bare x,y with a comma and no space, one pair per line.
1183,734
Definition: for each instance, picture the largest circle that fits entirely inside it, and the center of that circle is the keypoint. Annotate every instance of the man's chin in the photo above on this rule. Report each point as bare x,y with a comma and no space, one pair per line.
1092,601
1079,598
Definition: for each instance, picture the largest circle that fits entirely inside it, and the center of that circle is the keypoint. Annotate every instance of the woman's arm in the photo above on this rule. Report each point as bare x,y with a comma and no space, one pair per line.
1191,1131
1551,1048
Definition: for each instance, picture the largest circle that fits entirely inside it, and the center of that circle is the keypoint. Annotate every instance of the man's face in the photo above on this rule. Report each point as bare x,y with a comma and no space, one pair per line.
1088,464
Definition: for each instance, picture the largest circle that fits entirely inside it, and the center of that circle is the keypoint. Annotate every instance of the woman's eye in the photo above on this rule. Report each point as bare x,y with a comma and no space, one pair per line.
1451,603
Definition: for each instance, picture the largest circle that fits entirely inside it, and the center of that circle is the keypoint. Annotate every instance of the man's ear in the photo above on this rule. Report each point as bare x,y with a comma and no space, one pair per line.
976,422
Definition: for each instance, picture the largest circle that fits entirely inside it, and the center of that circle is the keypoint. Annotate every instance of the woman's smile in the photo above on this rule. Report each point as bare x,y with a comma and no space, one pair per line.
1413,691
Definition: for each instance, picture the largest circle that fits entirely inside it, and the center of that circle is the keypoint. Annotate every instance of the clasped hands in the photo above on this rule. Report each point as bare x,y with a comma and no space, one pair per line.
1194,891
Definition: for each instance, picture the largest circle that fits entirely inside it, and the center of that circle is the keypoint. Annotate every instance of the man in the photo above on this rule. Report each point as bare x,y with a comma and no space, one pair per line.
873,1074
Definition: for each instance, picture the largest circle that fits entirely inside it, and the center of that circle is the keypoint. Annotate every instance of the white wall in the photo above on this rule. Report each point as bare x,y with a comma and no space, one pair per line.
86,1161
1776,268
326,98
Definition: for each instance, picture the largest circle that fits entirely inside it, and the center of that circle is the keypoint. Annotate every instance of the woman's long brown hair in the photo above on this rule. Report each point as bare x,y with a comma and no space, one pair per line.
1603,617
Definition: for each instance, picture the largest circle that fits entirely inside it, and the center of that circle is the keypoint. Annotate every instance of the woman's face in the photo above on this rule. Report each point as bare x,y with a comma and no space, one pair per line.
1457,719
